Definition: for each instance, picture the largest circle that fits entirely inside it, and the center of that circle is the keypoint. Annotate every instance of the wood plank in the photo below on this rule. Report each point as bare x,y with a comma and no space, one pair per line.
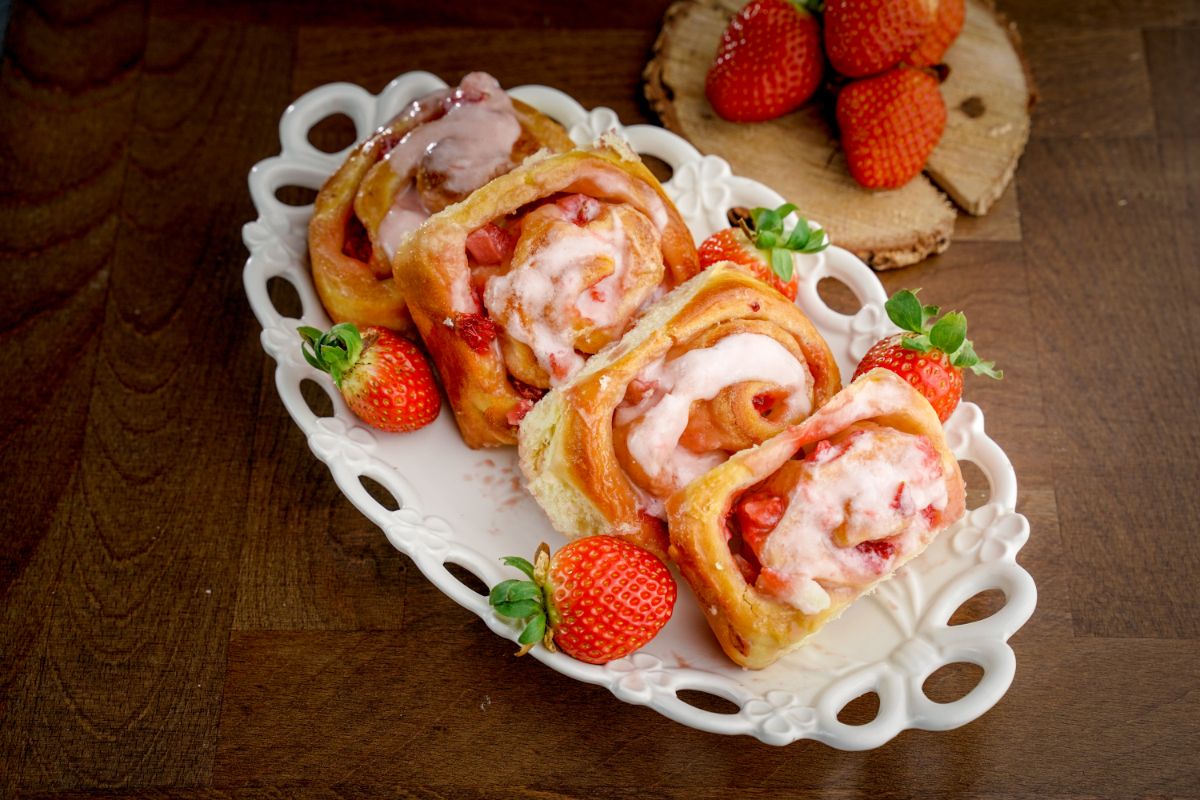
600,69
1115,383
309,560
141,556
1095,14
1079,98
372,711
416,14
1174,74
62,165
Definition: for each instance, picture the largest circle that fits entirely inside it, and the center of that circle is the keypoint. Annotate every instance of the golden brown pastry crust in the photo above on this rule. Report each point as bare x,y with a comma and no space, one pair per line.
365,292
755,628
432,270
567,449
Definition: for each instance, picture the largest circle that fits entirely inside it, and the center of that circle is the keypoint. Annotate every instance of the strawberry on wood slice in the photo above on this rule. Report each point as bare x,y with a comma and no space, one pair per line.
769,61
763,246
889,125
866,37
947,24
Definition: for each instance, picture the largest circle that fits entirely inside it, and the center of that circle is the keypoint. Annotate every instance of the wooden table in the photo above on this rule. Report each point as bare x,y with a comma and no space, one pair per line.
189,608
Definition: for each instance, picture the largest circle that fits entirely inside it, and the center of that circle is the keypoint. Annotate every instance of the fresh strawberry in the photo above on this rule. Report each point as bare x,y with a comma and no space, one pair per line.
931,357
890,124
769,61
947,23
384,378
866,37
762,245
599,598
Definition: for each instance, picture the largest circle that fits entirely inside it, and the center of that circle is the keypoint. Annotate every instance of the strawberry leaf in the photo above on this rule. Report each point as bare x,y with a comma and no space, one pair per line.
519,563
782,264
966,358
949,333
928,314
502,591
534,631
919,342
801,235
817,241
988,368
905,311
518,609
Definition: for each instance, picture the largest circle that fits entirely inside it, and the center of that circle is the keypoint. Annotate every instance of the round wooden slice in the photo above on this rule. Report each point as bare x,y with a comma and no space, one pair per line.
988,95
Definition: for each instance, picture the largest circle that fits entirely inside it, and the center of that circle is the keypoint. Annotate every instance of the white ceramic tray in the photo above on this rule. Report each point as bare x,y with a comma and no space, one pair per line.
465,507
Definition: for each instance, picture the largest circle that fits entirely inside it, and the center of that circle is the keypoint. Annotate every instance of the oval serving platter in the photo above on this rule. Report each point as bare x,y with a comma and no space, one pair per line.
463,507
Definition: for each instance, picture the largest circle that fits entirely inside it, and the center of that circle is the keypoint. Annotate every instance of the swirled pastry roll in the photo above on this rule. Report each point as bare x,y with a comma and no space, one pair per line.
515,288
720,364
438,150
780,539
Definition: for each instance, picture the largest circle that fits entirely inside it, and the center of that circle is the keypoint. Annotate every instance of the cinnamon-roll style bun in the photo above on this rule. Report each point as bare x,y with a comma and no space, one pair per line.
780,539
718,365
513,289
435,152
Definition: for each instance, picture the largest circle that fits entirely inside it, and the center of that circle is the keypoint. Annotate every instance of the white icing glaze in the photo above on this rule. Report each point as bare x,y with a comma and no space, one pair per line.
405,216
853,489
468,145
700,375
543,301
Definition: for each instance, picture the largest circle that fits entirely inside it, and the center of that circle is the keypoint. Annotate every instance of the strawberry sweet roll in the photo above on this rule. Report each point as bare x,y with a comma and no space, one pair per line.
779,540
435,152
515,288
720,364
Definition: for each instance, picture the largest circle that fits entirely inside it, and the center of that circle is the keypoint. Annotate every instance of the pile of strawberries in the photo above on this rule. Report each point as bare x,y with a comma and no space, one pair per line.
889,108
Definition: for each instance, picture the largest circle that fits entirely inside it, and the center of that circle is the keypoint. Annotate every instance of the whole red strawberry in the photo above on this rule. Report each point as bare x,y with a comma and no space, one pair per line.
382,377
930,357
769,61
890,124
947,24
866,37
598,599
761,244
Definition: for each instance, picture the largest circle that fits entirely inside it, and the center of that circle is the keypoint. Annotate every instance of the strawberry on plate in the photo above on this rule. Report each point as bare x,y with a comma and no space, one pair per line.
597,599
383,377
890,124
931,354
769,61
764,247
866,37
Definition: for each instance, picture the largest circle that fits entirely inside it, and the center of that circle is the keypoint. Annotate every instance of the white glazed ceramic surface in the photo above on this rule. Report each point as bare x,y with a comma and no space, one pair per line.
465,507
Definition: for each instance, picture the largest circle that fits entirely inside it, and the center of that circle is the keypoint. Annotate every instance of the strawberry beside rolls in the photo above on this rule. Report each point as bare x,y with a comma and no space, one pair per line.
780,539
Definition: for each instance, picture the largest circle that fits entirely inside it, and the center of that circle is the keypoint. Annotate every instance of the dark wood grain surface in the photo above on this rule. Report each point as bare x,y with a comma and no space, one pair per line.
190,609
